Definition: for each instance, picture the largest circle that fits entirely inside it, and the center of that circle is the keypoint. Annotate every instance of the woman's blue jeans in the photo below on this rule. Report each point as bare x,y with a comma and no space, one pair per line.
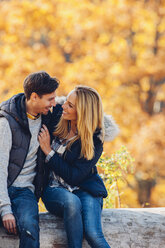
81,213
25,210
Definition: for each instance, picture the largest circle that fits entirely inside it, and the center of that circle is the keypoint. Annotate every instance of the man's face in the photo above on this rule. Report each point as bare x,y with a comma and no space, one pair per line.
43,104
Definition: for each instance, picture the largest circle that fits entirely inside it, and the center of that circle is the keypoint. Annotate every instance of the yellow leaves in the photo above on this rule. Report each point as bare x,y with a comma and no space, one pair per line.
161,27
7,55
12,39
114,46
149,145
161,94
145,84
145,20
116,69
103,38
118,46
157,197
115,170
161,42
144,39
41,206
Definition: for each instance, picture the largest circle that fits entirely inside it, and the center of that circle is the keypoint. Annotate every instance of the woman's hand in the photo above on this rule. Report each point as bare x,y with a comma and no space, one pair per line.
44,140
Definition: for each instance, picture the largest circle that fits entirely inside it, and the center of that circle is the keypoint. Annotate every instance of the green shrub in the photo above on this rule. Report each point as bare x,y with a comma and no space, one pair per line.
113,171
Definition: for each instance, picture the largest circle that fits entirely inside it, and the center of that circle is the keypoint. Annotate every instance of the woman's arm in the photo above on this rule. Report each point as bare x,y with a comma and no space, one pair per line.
70,167
76,172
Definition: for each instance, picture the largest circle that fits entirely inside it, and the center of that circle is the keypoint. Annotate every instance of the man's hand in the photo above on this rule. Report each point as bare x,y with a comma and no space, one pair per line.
9,223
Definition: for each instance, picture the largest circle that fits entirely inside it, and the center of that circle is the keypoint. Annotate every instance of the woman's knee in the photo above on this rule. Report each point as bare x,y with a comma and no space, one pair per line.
72,204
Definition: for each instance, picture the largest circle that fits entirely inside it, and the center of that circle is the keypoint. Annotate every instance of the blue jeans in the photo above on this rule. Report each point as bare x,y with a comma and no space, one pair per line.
25,209
81,213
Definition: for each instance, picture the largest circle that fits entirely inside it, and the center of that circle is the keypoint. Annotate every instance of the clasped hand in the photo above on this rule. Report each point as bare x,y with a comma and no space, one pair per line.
44,140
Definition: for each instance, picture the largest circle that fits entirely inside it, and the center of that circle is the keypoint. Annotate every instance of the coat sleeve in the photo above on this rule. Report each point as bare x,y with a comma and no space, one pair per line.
74,173
52,119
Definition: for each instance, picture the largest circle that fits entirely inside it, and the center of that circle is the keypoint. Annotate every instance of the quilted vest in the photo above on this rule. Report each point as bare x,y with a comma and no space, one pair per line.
14,111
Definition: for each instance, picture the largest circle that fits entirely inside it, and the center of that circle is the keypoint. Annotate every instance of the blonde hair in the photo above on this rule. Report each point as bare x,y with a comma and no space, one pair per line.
89,119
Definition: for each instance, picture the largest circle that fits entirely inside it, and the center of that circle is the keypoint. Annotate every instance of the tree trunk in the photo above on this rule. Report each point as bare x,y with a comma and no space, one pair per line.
123,228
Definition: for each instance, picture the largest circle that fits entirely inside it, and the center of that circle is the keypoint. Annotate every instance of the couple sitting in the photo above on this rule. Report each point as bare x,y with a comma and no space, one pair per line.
53,155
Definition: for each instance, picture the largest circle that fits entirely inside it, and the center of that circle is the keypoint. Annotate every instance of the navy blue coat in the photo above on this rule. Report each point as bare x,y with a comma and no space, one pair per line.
78,171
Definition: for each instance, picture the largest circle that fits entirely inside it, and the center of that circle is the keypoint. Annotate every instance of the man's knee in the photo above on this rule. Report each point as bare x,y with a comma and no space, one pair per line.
28,224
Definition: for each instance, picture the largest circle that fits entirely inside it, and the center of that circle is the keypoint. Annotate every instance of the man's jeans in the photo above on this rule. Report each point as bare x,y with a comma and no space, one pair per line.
25,209
81,213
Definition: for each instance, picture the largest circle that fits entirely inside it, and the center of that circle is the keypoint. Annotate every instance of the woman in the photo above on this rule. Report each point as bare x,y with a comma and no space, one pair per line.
74,190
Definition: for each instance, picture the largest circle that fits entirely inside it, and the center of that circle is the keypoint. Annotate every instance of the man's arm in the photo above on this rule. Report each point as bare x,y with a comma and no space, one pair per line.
5,204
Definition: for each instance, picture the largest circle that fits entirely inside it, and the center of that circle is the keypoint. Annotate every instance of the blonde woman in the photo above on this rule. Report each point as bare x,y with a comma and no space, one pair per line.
74,189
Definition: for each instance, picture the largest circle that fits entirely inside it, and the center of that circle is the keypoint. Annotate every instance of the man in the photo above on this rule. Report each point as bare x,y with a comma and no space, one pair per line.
21,168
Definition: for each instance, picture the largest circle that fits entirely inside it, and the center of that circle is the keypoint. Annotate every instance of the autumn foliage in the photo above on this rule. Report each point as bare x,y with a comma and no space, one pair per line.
117,47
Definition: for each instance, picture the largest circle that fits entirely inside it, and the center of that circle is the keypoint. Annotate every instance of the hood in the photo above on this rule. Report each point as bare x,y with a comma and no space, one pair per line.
15,107
110,126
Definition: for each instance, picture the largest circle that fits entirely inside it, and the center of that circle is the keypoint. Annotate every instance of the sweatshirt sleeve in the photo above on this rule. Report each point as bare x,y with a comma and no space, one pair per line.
76,172
5,147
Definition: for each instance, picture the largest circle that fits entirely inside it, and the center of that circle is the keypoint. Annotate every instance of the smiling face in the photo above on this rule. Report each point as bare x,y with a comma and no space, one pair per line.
69,107
42,105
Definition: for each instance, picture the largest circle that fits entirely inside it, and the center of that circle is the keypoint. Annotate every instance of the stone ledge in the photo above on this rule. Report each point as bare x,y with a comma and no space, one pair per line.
123,228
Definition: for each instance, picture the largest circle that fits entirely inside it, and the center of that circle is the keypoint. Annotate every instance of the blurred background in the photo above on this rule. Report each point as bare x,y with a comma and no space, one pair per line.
115,46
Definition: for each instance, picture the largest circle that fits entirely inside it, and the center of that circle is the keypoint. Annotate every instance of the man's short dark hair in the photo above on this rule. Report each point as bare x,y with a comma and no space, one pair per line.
40,83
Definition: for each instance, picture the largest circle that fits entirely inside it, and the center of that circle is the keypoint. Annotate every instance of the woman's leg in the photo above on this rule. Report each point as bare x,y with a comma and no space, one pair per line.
63,203
91,213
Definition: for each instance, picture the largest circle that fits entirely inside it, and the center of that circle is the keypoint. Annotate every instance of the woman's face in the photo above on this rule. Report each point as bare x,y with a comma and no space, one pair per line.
69,107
